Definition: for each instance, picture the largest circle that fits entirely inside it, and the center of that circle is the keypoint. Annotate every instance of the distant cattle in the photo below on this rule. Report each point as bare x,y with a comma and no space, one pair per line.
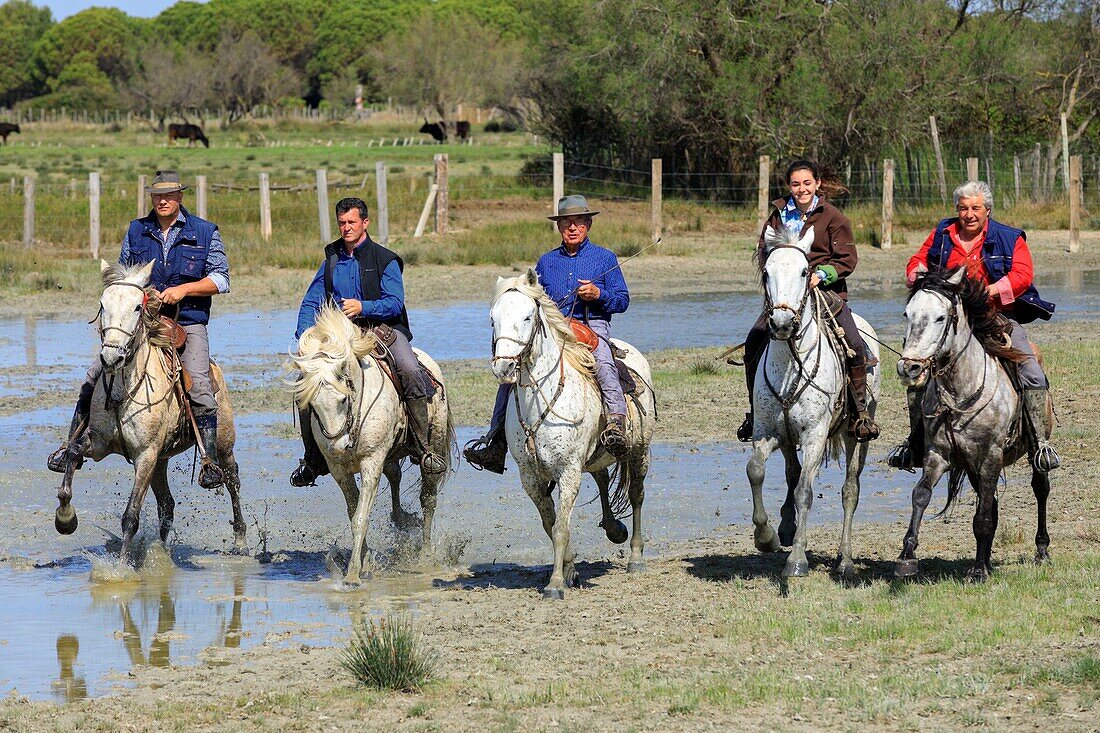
462,129
191,133
438,130
7,128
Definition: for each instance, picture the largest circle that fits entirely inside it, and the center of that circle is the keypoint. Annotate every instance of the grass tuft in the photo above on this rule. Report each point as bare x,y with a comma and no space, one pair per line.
703,366
389,654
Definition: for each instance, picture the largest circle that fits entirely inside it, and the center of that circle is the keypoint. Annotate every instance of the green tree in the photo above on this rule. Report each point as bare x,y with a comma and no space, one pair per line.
21,25
104,37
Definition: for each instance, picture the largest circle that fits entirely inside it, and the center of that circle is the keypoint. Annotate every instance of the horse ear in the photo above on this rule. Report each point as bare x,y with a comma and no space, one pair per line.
499,279
771,237
957,276
532,277
104,266
807,239
145,272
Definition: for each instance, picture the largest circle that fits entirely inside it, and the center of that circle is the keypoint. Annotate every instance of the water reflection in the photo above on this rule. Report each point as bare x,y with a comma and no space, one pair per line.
68,687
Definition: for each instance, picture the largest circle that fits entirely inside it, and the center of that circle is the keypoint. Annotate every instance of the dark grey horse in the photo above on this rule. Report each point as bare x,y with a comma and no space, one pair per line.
953,346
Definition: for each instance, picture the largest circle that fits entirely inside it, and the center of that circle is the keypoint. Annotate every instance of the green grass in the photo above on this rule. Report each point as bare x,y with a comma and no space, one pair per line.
389,654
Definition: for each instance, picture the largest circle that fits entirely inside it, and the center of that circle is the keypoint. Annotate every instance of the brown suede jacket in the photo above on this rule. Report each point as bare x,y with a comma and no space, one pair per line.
833,241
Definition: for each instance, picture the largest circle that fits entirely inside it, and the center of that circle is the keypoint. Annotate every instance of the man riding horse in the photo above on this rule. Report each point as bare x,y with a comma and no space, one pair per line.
996,255
586,283
363,279
189,267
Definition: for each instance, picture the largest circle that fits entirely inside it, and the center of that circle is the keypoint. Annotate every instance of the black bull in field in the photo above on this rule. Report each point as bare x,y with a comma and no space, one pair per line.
7,128
438,130
191,133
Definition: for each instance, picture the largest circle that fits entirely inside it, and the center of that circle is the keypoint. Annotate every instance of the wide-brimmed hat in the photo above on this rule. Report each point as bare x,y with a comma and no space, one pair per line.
574,205
165,182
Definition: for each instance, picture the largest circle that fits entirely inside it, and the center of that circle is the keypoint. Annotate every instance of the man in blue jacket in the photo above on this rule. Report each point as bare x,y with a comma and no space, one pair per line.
585,281
363,279
190,267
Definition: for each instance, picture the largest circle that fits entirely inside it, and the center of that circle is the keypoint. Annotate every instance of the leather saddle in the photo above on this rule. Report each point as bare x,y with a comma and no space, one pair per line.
587,337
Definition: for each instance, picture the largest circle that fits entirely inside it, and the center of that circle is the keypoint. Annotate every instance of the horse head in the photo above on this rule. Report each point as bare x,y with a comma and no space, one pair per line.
933,317
121,307
515,319
786,276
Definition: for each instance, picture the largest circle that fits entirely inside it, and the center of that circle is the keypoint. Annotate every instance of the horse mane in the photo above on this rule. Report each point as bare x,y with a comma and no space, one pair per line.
323,348
990,327
578,355
159,334
785,237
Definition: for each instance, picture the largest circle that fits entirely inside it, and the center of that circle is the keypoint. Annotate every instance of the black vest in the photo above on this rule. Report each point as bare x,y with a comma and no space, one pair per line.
373,259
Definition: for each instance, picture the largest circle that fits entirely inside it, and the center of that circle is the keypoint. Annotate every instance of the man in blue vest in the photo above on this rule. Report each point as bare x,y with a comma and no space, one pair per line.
190,267
363,279
585,281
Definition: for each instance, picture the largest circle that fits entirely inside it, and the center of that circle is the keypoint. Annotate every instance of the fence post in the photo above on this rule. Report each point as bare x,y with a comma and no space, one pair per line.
1036,173
322,206
265,207
426,211
887,203
93,212
941,177
383,202
200,196
655,198
1016,175
1065,152
28,212
971,169
559,185
762,193
441,193
141,209
1075,203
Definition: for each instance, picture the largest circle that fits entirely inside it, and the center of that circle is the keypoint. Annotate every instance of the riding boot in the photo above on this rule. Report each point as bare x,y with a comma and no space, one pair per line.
614,436
420,444
910,454
1043,456
861,425
488,452
744,432
313,465
210,473
56,460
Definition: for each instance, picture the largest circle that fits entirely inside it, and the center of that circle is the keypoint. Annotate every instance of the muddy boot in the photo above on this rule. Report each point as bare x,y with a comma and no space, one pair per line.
1043,456
744,432
56,460
910,454
488,452
313,464
861,425
614,436
210,473
420,439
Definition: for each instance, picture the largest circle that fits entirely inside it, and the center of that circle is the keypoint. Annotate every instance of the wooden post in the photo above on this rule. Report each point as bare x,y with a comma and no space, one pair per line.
441,193
764,174
1065,153
200,196
971,169
28,212
1016,175
887,203
1036,172
426,211
383,203
655,199
559,185
941,177
142,208
1075,203
265,207
93,213
323,216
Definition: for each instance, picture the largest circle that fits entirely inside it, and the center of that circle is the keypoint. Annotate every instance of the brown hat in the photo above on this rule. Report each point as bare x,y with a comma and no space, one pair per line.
574,205
166,182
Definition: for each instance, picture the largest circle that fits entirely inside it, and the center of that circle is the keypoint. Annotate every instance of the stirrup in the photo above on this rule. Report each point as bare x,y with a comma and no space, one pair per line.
614,440
744,433
1046,459
211,475
863,428
479,454
902,457
56,460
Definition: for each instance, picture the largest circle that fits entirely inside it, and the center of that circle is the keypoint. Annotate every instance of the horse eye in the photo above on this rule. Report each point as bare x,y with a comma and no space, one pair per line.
941,319
137,308
805,271
528,318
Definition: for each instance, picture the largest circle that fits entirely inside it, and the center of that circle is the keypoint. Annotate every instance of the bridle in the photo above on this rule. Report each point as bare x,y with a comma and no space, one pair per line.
770,307
931,364
520,357
126,346
353,423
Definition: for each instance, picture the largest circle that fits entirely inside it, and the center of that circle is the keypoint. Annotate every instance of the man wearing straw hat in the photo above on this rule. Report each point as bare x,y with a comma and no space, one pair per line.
190,267
585,281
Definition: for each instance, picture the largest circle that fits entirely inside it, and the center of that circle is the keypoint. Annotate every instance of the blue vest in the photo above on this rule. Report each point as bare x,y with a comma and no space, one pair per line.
997,251
186,260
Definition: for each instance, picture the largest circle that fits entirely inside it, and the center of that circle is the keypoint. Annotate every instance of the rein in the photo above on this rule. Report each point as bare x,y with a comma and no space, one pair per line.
351,427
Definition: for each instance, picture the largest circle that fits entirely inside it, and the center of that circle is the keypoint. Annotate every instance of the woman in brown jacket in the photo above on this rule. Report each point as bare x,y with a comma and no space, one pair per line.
832,259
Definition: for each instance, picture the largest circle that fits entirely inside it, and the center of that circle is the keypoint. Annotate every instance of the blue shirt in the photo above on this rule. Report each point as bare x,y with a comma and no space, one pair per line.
793,218
346,284
217,264
559,272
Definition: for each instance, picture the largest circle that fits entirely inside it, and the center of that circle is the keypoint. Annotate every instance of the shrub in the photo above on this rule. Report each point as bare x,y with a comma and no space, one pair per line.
389,654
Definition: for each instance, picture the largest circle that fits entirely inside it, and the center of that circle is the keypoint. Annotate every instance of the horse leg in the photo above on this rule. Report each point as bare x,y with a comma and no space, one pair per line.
144,465
763,535
1040,484
934,468
232,475
569,486
638,470
429,496
166,505
370,473
854,459
985,516
352,495
535,486
64,519
792,470
813,449
612,527
401,519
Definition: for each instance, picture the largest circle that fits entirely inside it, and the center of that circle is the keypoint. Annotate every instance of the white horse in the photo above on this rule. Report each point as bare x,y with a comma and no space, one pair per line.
800,401
555,419
360,422
136,410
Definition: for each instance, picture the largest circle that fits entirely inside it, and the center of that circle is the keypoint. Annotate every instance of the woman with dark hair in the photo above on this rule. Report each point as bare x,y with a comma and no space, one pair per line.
832,258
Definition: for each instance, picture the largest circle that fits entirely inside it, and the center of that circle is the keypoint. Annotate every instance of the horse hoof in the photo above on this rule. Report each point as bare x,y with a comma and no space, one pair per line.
844,570
906,568
766,540
553,594
615,531
798,569
636,566
1042,556
64,519
977,575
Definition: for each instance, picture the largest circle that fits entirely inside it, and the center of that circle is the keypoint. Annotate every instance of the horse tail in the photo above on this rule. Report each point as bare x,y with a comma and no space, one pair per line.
954,487
835,447
619,500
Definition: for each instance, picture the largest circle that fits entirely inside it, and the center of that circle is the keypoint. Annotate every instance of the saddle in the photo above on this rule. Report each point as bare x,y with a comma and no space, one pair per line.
382,356
177,338
590,340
